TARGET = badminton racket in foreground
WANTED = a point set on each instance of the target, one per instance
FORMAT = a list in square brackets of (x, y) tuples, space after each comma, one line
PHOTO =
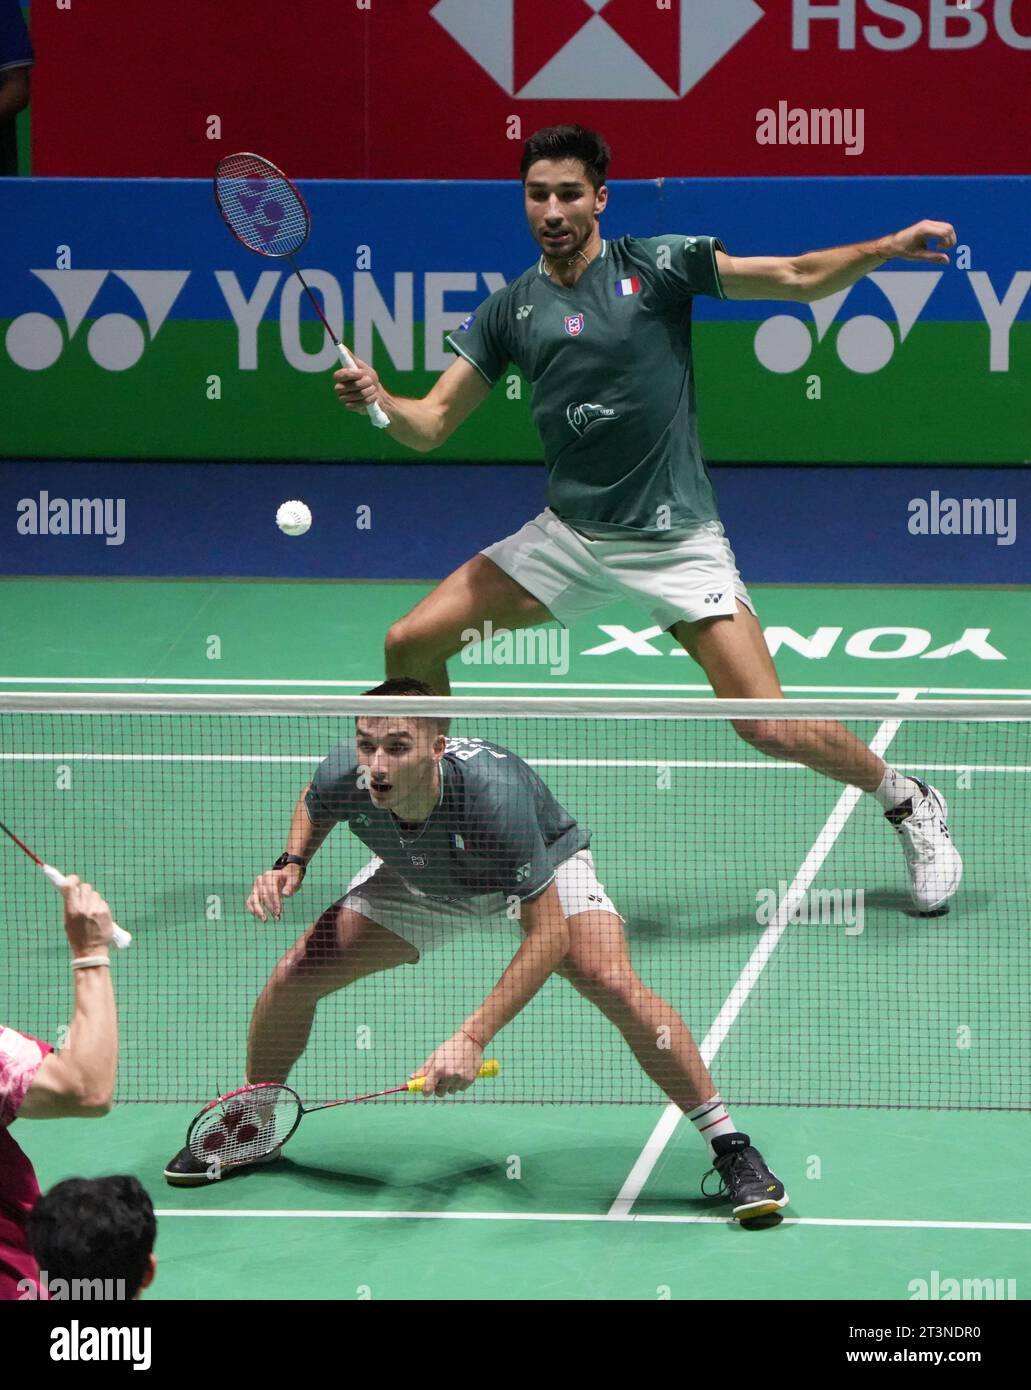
[(120, 936), (253, 1122), (264, 210)]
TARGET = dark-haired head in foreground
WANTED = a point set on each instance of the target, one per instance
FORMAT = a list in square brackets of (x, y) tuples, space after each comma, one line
[(88, 1229)]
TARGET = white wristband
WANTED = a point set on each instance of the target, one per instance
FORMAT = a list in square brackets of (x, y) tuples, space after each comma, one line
[(84, 962)]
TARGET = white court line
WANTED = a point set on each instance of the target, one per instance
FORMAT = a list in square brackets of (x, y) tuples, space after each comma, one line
[(333, 1214), (545, 682), (756, 765), (672, 1115)]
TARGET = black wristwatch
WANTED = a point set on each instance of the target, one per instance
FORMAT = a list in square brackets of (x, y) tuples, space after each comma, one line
[(285, 859)]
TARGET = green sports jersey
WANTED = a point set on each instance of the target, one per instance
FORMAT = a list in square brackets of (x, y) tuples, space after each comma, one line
[(613, 397), (495, 829)]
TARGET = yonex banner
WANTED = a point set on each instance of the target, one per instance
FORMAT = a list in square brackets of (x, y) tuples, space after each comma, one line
[(450, 88), (132, 325)]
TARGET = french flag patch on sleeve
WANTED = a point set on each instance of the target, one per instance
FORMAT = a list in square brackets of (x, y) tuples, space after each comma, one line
[(631, 286)]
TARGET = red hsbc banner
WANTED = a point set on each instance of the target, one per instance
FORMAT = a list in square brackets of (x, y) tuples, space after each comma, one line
[(449, 88)]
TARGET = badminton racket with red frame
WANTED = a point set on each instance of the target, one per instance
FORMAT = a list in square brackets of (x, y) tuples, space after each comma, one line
[(251, 1123), (265, 211), (120, 936)]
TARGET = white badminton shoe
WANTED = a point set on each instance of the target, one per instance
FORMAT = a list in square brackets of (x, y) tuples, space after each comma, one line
[(935, 868)]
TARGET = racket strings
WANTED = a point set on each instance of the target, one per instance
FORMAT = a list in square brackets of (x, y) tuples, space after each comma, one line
[(260, 205), (244, 1129)]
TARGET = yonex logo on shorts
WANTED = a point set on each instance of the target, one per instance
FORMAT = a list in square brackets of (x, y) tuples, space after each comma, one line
[(714, 598)]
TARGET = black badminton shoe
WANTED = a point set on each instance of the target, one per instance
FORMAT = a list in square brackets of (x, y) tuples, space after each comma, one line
[(745, 1179), (186, 1170)]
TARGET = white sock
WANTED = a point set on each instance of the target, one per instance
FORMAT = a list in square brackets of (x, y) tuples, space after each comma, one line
[(894, 789), (711, 1120)]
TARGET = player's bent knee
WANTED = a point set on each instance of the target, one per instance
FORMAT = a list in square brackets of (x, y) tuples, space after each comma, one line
[(406, 641), (617, 983)]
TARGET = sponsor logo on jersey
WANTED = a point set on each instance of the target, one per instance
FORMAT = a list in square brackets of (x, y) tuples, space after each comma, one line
[(361, 820), (523, 312), (522, 873), (574, 324), (582, 417), (628, 286), (467, 323), (419, 860)]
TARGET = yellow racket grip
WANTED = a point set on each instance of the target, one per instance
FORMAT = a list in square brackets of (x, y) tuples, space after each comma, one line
[(490, 1068)]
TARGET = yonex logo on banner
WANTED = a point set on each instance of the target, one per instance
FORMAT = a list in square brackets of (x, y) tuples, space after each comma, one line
[(866, 344), (115, 341), (605, 52), (868, 643)]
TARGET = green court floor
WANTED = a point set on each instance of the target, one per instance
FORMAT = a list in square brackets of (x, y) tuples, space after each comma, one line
[(844, 1064)]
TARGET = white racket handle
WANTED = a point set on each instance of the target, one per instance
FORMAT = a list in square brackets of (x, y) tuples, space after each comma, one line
[(375, 411), (119, 935)]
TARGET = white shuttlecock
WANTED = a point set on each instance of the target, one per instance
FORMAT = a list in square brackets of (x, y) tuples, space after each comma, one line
[(293, 518)]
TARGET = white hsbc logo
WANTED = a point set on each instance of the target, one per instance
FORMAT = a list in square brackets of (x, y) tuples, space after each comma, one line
[(609, 57), (950, 24)]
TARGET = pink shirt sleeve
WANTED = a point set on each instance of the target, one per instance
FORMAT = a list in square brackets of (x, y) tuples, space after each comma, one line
[(20, 1059)]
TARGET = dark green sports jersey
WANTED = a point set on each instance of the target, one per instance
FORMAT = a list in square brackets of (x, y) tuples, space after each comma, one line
[(609, 363), (496, 828)]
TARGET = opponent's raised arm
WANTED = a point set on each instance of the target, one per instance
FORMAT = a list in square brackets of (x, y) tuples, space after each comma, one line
[(79, 1081), (818, 274), (419, 424), (272, 886)]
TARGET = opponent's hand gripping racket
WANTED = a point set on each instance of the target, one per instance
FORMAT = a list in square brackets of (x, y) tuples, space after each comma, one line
[(264, 210), (119, 935)]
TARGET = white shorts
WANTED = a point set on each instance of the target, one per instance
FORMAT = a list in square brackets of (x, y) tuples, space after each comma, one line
[(381, 895), (678, 580)]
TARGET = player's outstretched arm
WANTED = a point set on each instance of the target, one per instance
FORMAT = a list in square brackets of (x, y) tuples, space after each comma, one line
[(419, 424), (540, 954), (79, 1081), (820, 273), (455, 1064), (272, 886)]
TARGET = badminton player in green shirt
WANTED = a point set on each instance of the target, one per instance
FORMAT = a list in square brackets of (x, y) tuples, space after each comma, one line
[(464, 834), (602, 331)]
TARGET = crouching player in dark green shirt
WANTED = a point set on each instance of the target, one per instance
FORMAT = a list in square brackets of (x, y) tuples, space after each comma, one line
[(462, 830)]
